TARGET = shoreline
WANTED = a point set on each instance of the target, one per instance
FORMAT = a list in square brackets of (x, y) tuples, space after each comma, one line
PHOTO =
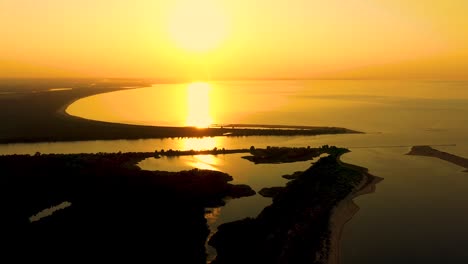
[(229, 132), (33, 117), (62, 111), (305, 221), (345, 210)]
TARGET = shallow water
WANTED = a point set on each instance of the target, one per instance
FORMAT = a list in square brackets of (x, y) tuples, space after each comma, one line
[(371, 106)]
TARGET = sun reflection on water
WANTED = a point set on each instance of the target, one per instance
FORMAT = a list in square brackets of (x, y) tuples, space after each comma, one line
[(198, 105), (206, 162), (204, 143)]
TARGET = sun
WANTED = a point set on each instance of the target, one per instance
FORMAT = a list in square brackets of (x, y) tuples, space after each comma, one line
[(197, 26)]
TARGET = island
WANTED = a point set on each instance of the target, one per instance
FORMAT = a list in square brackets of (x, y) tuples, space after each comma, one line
[(285, 154), (34, 111), (271, 191)]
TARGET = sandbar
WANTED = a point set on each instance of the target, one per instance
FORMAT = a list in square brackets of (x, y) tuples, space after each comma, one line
[(428, 151)]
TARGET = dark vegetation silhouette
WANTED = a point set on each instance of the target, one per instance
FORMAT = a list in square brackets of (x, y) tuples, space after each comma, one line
[(284, 154), (117, 210), (271, 191), (295, 228)]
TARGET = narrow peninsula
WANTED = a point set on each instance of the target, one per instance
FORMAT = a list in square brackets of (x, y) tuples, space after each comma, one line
[(305, 221), (431, 152)]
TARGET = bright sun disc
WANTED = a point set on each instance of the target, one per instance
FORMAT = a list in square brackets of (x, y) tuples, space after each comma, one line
[(197, 26)]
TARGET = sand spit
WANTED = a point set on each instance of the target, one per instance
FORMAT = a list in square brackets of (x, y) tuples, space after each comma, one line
[(49, 211), (344, 212), (36, 116), (431, 152), (305, 221)]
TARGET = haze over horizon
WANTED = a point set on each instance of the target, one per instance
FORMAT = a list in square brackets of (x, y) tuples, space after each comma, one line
[(208, 39)]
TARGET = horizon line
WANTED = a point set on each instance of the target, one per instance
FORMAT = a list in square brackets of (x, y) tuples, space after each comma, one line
[(176, 80)]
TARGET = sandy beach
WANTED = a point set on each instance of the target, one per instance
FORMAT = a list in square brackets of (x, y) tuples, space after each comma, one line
[(345, 210)]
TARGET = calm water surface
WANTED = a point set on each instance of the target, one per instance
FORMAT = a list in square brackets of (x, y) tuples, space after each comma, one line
[(419, 211), (418, 214), (371, 106), (243, 171)]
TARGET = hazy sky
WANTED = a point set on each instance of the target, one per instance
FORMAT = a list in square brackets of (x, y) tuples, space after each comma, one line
[(201, 39)]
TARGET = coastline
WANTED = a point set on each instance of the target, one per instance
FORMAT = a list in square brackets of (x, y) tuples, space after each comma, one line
[(344, 211), (305, 221), (318, 216), (31, 117), (62, 111)]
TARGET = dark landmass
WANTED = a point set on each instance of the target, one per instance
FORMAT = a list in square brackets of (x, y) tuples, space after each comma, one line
[(296, 228), (271, 191), (214, 151), (110, 208), (284, 154), (34, 111), (104, 206), (240, 190), (431, 152), (292, 176), (270, 126)]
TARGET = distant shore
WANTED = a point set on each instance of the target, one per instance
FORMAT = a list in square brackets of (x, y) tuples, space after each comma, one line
[(35, 115)]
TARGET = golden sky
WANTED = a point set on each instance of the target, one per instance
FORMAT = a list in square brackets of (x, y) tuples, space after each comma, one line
[(219, 39)]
